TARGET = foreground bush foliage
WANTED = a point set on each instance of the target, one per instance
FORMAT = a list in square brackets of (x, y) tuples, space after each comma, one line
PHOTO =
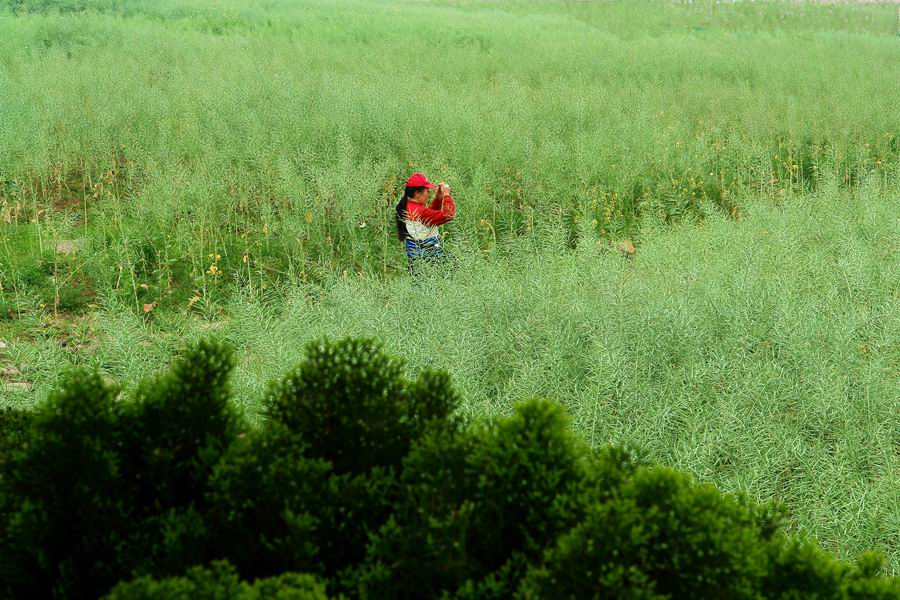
[(220, 580), (361, 482)]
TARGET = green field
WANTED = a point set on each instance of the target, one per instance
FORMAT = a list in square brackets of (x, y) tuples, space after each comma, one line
[(750, 151)]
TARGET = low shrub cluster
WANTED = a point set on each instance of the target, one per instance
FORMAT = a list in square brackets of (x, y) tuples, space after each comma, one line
[(220, 580), (362, 483)]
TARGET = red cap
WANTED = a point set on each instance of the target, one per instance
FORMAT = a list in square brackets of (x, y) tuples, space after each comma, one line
[(419, 180)]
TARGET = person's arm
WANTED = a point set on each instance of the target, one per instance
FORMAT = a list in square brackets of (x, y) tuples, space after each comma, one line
[(442, 208), (441, 211), (437, 203)]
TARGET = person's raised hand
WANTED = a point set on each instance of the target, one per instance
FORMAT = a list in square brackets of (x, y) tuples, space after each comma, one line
[(444, 189)]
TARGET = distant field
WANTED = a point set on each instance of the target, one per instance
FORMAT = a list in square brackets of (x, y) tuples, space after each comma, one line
[(162, 132), (180, 168)]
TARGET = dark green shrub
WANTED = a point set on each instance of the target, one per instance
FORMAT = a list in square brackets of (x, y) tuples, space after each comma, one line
[(495, 499), (266, 500), (799, 570), (219, 581), (660, 536), (102, 489), (351, 404), (430, 403), (14, 426), (421, 550), (366, 480), (346, 401), (67, 508), (173, 434), (308, 490), (178, 426)]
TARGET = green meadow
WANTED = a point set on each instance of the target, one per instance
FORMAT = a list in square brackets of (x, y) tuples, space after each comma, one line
[(182, 168)]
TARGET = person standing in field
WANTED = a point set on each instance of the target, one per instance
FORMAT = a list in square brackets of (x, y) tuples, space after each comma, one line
[(418, 221)]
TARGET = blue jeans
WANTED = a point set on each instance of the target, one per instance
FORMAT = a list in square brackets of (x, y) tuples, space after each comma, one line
[(426, 252)]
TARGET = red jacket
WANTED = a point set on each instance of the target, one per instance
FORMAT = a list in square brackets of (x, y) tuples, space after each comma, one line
[(418, 222)]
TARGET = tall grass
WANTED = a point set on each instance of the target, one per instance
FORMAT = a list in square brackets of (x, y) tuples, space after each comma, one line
[(164, 132), (762, 355)]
